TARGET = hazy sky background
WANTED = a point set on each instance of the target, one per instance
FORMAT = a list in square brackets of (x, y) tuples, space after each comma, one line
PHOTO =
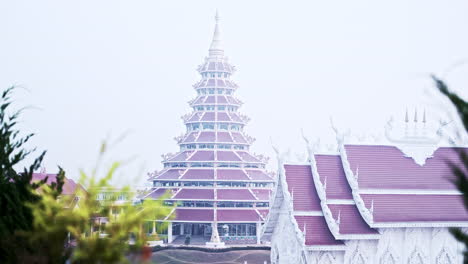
[(96, 69)]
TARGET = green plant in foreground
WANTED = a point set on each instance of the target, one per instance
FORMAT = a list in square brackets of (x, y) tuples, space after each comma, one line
[(113, 242), (461, 177)]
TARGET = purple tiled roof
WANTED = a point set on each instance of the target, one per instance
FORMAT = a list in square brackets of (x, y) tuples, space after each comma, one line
[(156, 193), (207, 137), (386, 167), (202, 155), (224, 137), (238, 138), (222, 99), (190, 137), (317, 232), (416, 208), (198, 174), (210, 100), (227, 156), (235, 194), (258, 175), (235, 117), (330, 169), (247, 157), (69, 185), (170, 174), (233, 174), (237, 215), (351, 221), (223, 117), (208, 116), (194, 215), (182, 156), (195, 117), (301, 187), (195, 194)]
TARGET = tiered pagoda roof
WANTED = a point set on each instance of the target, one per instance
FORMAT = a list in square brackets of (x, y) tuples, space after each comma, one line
[(214, 176)]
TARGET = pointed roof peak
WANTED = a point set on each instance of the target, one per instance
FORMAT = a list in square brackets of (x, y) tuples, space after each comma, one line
[(216, 47)]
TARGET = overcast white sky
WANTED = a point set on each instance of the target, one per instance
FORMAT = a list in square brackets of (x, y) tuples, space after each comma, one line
[(99, 68)]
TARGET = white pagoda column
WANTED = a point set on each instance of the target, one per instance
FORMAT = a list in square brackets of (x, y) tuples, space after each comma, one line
[(169, 233), (259, 225)]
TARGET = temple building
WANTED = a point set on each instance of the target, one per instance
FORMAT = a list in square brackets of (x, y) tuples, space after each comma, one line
[(386, 203), (221, 189)]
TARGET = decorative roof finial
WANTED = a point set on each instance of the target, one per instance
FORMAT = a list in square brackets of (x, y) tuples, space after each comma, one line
[(216, 48)]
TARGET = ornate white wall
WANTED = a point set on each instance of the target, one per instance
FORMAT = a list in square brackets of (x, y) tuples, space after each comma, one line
[(286, 248)]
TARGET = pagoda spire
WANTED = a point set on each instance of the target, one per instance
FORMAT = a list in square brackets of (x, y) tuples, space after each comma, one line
[(216, 47)]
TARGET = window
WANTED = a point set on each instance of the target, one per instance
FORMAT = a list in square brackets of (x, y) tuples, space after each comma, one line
[(211, 91)]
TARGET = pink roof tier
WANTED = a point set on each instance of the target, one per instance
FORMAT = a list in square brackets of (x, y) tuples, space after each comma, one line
[(210, 100), (386, 167), (238, 215), (207, 137), (198, 174), (258, 175), (156, 193), (351, 222), (227, 156), (232, 174), (301, 187), (170, 174), (208, 116), (191, 137), (416, 208), (238, 137), (247, 157), (330, 169), (222, 100), (202, 155), (223, 117), (235, 194), (224, 137), (317, 232), (195, 194), (190, 215), (181, 156)]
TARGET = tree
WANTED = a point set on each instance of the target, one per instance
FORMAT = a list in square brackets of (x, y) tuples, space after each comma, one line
[(461, 179), (121, 236), (15, 188)]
